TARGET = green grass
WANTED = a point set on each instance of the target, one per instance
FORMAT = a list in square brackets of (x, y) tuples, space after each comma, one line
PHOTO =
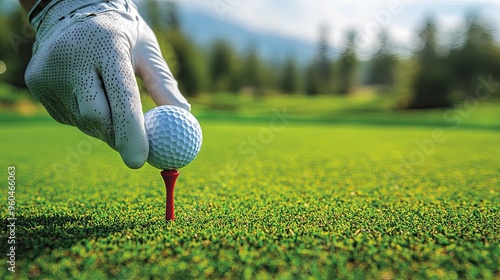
[(334, 198), (363, 108)]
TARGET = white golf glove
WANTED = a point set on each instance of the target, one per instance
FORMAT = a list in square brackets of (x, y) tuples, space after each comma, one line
[(83, 68)]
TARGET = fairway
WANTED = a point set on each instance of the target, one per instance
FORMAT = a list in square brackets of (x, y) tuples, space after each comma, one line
[(262, 200)]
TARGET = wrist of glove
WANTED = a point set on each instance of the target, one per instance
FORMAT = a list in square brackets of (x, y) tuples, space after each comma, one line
[(83, 68)]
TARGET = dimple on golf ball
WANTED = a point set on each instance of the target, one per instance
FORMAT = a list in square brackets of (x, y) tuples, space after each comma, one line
[(175, 137)]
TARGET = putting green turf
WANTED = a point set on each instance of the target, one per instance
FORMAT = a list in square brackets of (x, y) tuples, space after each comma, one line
[(260, 201)]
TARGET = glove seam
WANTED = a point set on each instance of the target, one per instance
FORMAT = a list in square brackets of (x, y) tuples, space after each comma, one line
[(33, 8), (40, 17), (42, 14)]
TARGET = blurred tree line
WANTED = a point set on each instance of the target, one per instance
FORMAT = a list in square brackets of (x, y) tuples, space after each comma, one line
[(444, 71), (15, 47), (437, 74)]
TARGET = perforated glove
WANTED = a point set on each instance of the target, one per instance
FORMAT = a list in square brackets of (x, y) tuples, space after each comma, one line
[(83, 70)]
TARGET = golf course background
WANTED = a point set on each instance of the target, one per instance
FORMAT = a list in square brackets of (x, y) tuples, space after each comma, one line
[(284, 188), (332, 159)]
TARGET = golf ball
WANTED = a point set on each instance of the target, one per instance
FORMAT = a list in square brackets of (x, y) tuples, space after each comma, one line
[(174, 137)]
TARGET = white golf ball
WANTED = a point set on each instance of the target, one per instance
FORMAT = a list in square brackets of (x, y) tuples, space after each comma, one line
[(174, 137)]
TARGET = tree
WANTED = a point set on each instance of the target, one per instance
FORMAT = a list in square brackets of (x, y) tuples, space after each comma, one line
[(188, 72), (252, 70), (162, 15), (312, 83), (15, 47), (324, 63), (154, 15), (383, 62), (347, 64), (222, 66), (184, 57), (477, 55), (432, 82), (172, 16), (288, 83), (319, 73)]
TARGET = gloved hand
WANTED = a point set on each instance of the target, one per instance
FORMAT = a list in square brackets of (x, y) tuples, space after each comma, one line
[(83, 70)]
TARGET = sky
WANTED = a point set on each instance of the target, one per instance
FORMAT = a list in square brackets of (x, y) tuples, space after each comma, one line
[(302, 18)]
